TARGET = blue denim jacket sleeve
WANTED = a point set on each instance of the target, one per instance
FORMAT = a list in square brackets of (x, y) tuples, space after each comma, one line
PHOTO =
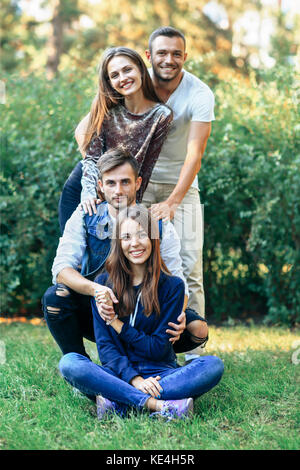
[(110, 350), (155, 346)]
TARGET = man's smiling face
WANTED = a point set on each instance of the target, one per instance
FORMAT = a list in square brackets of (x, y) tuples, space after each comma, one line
[(120, 186), (167, 57)]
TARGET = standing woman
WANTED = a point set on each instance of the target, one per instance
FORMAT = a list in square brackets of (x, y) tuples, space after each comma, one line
[(125, 112), (139, 367)]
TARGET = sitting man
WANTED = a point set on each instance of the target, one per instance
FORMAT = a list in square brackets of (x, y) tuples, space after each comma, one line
[(81, 255)]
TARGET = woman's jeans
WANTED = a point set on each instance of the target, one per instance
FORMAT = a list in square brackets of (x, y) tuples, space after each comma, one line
[(70, 196), (192, 380)]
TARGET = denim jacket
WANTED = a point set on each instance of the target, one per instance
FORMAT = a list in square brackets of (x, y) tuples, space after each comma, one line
[(98, 227)]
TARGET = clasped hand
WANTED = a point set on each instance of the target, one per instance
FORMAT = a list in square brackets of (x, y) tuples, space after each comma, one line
[(150, 386), (105, 299)]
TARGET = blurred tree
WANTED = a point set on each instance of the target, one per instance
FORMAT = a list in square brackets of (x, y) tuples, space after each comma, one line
[(77, 31), (209, 27), (64, 12), (17, 36), (285, 41), (55, 40), (10, 16), (131, 22)]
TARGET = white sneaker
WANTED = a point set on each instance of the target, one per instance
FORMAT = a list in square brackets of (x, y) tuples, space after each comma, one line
[(194, 354)]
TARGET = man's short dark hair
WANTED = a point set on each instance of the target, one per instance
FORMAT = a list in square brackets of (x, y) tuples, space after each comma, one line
[(114, 158), (166, 31)]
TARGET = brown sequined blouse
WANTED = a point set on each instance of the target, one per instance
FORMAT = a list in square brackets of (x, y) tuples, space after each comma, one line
[(142, 135)]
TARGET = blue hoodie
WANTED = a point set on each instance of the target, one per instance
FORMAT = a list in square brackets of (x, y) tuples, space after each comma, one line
[(146, 341)]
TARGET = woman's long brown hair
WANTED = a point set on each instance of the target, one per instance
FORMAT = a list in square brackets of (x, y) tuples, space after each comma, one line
[(118, 266), (106, 97)]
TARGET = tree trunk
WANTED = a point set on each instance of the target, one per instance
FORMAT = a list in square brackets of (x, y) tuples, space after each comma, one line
[(55, 40)]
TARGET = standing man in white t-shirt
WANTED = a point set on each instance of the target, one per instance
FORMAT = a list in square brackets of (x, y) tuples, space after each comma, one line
[(173, 189)]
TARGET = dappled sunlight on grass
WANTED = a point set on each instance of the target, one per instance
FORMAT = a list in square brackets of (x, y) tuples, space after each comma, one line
[(33, 321), (243, 338)]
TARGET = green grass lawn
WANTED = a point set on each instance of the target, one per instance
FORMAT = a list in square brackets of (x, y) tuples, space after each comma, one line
[(253, 407)]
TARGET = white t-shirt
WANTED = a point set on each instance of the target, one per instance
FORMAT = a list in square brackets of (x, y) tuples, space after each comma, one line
[(192, 100)]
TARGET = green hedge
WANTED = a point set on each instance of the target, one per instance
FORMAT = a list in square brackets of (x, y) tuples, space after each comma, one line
[(249, 181), (38, 153)]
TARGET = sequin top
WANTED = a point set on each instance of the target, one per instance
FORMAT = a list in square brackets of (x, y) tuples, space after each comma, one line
[(141, 135)]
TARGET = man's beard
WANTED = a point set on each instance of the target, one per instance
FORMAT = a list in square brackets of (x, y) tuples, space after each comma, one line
[(119, 206), (163, 79)]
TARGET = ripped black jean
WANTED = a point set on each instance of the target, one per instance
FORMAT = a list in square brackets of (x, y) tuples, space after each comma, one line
[(69, 318)]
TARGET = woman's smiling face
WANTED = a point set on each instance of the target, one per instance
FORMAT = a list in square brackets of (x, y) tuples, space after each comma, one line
[(124, 75), (135, 243)]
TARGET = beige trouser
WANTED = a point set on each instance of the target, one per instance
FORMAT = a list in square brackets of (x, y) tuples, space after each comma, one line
[(188, 222)]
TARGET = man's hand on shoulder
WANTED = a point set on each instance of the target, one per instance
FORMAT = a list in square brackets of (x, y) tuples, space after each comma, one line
[(89, 205), (163, 210)]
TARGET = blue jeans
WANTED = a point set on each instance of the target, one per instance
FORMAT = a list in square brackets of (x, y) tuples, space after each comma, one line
[(70, 196), (192, 380)]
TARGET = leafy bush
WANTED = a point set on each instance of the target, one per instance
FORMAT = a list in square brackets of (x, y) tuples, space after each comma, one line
[(38, 152), (249, 181)]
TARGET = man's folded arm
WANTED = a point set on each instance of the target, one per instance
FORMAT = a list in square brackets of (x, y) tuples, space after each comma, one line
[(71, 247)]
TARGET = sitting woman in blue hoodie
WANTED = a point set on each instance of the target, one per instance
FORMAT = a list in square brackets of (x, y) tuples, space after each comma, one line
[(139, 367)]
